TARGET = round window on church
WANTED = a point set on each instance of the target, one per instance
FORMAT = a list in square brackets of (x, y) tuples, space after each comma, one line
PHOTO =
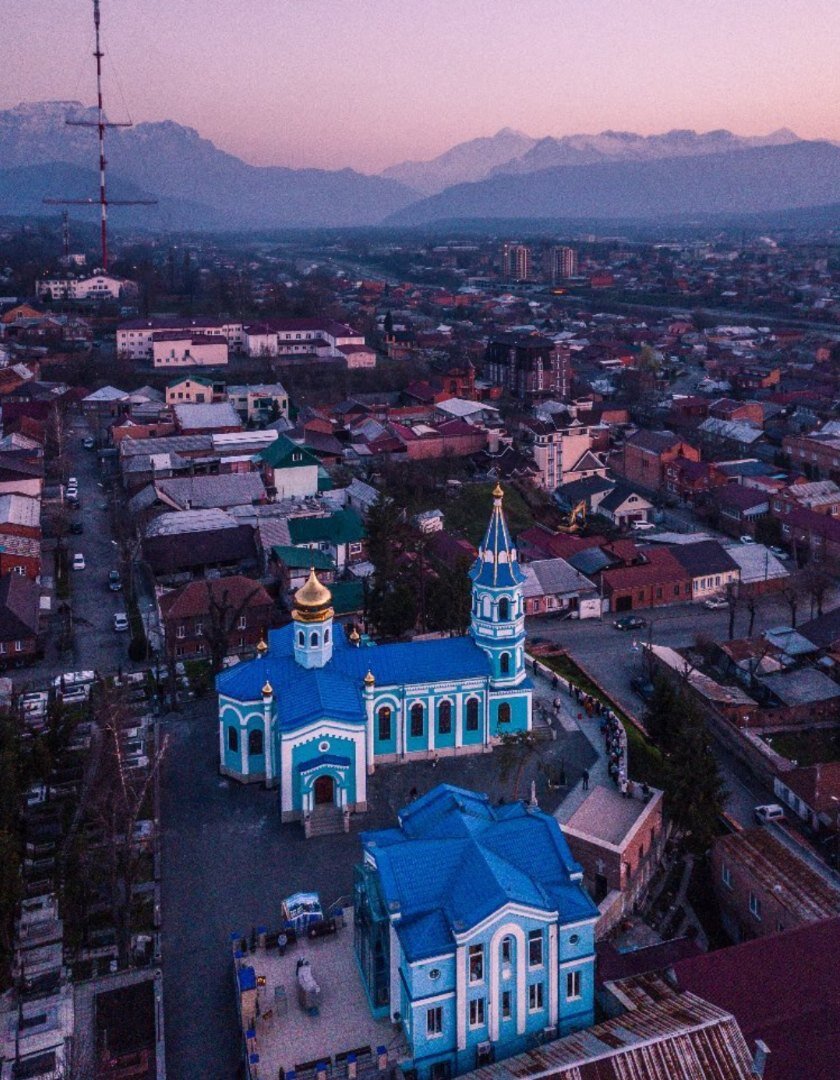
[(434, 974), (323, 747), (574, 939)]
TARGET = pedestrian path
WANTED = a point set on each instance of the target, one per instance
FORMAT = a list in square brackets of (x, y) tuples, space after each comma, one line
[(554, 699)]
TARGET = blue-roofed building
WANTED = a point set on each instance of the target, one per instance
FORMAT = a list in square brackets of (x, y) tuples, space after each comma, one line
[(316, 712), (473, 930)]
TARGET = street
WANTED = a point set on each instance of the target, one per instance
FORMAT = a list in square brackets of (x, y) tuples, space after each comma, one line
[(613, 657)]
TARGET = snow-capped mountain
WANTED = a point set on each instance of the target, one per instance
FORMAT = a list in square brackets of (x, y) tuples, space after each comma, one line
[(467, 161)]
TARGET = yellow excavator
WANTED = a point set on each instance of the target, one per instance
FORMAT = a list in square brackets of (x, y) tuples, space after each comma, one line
[(576, 520)]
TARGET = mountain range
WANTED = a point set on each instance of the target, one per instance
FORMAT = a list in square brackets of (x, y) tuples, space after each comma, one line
[(511, 175)]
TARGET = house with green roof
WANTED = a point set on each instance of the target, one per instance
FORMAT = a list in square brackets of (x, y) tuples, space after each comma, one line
[(341, 535), (294, 563), (289, 470)]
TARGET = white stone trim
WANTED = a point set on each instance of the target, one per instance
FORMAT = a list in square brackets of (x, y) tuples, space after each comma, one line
[(507, 910), (461, 997), (494, 994), (553, 987)]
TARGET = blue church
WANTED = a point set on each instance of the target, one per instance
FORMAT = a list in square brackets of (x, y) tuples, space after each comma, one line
[(315, 712), (473, 931)]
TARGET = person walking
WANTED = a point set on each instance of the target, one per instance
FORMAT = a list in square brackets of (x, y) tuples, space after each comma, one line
[(585, 779)]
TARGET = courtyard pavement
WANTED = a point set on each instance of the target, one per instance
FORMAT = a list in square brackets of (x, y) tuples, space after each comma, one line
[(227, 862)]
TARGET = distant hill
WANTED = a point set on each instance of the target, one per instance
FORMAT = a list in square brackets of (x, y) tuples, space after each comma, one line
[(188, 173), (753, 180)]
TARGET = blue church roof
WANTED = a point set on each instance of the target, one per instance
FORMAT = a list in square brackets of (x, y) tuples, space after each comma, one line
[(455, 859), (496, 566), (335, 690)]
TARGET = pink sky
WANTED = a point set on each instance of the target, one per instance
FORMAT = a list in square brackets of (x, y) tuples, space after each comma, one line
[(368, 83)]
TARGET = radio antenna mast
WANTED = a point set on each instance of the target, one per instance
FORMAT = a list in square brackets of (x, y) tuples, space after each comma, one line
[(100, 124)]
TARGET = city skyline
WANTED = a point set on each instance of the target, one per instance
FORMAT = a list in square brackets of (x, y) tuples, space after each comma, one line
[(374, 83)]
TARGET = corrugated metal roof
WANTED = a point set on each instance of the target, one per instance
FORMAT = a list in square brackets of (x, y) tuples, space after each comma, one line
[(681, 1037)]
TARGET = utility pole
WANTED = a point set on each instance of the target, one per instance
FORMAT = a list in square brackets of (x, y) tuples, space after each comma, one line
[(100, 124), (65, 235)]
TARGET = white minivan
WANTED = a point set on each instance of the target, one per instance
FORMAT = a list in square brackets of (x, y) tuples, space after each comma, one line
[(769, 812)]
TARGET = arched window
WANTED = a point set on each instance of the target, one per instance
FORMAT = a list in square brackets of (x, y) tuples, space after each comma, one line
[(384, 724), (504, 663), (445, 717), (301, 638), (313, 639), (472, 714), (255, 742), (417, 721), (233, 740), (326, 636), (504, 713), (504, 608), (507, 949)]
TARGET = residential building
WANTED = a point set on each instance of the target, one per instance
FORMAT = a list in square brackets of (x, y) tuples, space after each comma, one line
[(817, 454), (657, 580), (214, 419), (814, 536), (516, 262), (289, 471), (646, 454), (96, 286), (317, 337), (184, 348), (473, 928), (362, 706), (19, 619), (562, 452), (563, 264), (763, 885), (195, 615), (529, 365), (188, 543), (821, 496), (340, 535), (135, 339), (711, 567), (740, 508), (619, 842), (193, 390), (623, 506), (260, 403), (554, 587)]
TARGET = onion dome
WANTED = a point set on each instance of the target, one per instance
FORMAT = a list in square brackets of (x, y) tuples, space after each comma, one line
[(268, 689), (262, 648), (355, 636), (369, 679), (312, 601)]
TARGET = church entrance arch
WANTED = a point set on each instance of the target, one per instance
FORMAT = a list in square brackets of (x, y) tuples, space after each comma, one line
[(324, 789)]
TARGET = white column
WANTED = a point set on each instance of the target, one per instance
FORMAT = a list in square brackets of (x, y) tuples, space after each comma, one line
[(461, 996), (268, 743), (369, 712), (459, 720), (487, 717), (361, 773), (553, 976), (430, 709), (222, 740), (243, 748), (400, 718)]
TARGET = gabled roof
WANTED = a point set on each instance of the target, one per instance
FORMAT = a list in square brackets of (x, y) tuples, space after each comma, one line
[(19, 607), (454, 859), (296, 558), (106, 393), (704, 557), (619, 495), (195, 597), (284, 454)]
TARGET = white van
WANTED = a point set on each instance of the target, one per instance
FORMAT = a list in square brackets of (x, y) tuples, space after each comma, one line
[(769, 812)]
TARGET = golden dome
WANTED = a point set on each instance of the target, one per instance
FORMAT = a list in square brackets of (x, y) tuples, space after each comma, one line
[(498, 491), (369, 679), (262, 648), (268, 689), (312, 601)]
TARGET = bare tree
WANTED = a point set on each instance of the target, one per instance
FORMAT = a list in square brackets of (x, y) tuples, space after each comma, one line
[(223, 618), (818, 582), (732, 600), (115, 798), (791, 593), (751, 604)]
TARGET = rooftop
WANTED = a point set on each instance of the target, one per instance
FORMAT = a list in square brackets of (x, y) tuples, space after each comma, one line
[(798, 887), (606, 816)]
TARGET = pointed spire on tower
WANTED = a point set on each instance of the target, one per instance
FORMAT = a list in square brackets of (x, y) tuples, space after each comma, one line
[(497, 565)]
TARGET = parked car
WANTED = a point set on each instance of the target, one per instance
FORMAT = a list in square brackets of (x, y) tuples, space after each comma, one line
[(120, 621), (78, 561), (714, 603), (643, 686), (746, 539), (114, 580), (780, 553), (73, 678), (88, 443), (76, 528), (643, 526), (72, 482), (769, 812), (630, 622)]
